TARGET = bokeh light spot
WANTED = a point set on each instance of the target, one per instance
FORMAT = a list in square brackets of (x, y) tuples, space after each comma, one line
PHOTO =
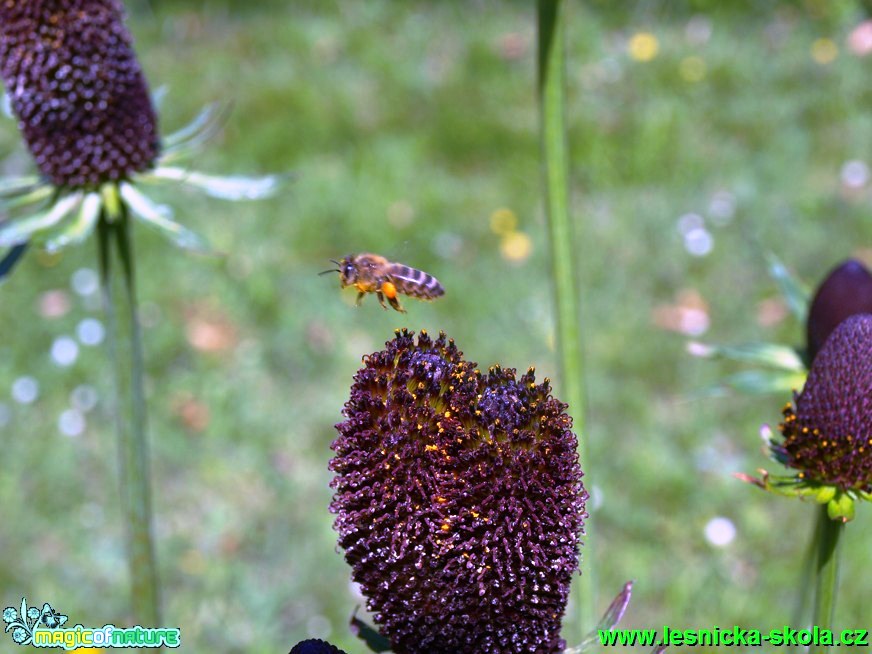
[(855, 174), (25, 390), (824, 51), (692, 69), (90, 331), (71, 423), (516, 247), (64, 351), (643, 46), (699, 242), (401, 214), (503, 221), (53, 304), (84, 398), (85, 282), (720, 531)]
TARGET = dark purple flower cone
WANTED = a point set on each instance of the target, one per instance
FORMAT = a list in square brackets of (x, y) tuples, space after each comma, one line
[(315, 646), (459, 501), (845, 292), (77, 89), (828, 433)]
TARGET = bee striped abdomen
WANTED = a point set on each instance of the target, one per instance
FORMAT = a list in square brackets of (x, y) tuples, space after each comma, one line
[(414, 282)]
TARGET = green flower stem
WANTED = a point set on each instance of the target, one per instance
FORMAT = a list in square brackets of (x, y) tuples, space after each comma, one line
[(555, 172), (125, 350), (806, 572), (826, 573)]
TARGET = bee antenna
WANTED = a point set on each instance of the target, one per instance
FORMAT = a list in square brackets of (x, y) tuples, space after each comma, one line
[(324, 272), (338, 263)]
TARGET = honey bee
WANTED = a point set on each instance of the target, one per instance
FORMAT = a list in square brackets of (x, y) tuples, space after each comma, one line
[(371, 273)]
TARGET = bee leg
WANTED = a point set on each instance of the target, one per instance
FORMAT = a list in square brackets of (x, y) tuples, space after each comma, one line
[(359, 298), (381, 299), (395, 303)]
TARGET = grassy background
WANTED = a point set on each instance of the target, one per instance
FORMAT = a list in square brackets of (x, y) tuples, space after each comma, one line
[(408, 125)]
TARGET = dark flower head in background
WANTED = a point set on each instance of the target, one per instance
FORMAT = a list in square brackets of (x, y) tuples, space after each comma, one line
[(845, 292), (84, 108), (459, 501), (315, 646), (78, 91), (828, 431)]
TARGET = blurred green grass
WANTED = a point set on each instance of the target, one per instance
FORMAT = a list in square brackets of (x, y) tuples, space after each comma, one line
[(407, 125)]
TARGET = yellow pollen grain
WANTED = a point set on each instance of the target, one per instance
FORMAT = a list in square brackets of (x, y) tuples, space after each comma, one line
[(430, 448), (447, 414), (441, 500)]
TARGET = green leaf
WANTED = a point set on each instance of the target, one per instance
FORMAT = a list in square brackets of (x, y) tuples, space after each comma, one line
[(21, 230), (159, 217), (754, 382), (773, 355), (371, 638), (793, 291), (225, 188), (75, 231)]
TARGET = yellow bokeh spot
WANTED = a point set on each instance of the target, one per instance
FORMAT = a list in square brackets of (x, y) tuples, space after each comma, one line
[(643, 46), (692, 69), (48, 259), (192, 562), (503, 221), (824, 51), (516, 246)]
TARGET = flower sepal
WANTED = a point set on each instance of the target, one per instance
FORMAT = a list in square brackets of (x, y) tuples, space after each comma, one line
[(610, 620), (840, 503), (369, 635)]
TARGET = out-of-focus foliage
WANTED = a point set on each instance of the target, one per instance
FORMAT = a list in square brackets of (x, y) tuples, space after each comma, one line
[(700, 138)]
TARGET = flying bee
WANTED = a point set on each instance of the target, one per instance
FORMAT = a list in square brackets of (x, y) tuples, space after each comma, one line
[(371, 273)]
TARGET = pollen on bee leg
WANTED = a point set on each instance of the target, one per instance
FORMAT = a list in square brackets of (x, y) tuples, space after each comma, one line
[(389, 290)]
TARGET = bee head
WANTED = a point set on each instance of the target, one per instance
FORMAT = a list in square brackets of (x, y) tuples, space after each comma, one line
[(346, 268), (347, 271)]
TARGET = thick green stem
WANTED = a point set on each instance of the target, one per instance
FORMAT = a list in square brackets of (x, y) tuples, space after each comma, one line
[(826, 573), (804, 590), (125, 350), (555, 173)]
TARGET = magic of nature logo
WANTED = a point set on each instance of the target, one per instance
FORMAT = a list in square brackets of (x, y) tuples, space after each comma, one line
[(45, 628)]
